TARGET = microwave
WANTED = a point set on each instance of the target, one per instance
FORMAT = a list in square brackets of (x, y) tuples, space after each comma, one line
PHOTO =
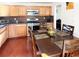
[(32, 12)]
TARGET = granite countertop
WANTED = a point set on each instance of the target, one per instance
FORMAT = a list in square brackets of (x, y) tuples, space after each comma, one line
[(1, 26), (2, 22)]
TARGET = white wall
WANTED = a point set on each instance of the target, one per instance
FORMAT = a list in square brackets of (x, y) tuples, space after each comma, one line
[(71, 17), (57, 11), (76, 19)]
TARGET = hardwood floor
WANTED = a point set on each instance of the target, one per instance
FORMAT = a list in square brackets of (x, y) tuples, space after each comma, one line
[(17, 47)]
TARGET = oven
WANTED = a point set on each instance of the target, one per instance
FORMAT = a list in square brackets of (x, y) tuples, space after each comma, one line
[(33, 24), (37, 27)]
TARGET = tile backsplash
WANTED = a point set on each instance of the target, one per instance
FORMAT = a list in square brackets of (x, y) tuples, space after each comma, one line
[(22, 19)]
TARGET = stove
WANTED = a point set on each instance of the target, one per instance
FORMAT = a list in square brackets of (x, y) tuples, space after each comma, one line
[(34, 24)]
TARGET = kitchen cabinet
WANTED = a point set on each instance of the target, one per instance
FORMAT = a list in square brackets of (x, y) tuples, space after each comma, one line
[(4, 10), (32, 7), (13, 10), (21, 11), (3, 35), (20, 30), (11, 30), (48, 11), (17, 10), (45, 11), (17, 30), (42, 11)]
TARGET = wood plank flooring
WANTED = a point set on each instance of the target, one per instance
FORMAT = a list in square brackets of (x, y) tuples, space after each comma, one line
[(16, 47)]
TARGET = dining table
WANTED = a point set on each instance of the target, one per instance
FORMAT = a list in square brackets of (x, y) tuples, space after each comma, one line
[(50, 45), (46, 45)]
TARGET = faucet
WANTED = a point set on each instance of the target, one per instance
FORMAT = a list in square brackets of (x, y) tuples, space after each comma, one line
[(16, 20)]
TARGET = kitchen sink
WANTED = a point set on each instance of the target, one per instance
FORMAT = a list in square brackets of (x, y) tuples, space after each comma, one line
[(1, 26)]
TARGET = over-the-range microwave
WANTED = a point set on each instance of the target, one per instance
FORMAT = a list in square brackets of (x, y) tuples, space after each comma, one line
[(32, 12)]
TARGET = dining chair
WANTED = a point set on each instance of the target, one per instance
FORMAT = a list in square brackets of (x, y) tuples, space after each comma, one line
[(75, 54), (36, 52), (66, 33), (32, 41), (73, 50), (68, 29)]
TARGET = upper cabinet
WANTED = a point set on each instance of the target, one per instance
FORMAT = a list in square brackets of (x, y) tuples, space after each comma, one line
[(19, 10), (4, 10), (13, 10), (43, 10), (48, 11)]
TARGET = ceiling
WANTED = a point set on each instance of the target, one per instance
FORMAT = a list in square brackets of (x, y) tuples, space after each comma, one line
[(28, 3)]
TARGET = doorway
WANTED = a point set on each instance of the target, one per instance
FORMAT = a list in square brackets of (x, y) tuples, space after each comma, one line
[(58, 17)]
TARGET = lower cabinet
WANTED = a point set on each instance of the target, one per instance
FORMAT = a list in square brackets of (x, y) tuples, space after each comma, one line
[(20, 30), (17, 30), (11, 30), (3, 35)]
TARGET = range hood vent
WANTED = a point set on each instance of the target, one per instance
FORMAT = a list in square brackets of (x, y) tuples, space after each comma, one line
[(32, 12)]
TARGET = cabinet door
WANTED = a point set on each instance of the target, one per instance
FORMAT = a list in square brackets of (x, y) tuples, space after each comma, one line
[(45, 10), (11, 30), (21, 10), (4, 10), (48, 11), (42, 11), (3, 36), (13, 10), (20, 30)]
